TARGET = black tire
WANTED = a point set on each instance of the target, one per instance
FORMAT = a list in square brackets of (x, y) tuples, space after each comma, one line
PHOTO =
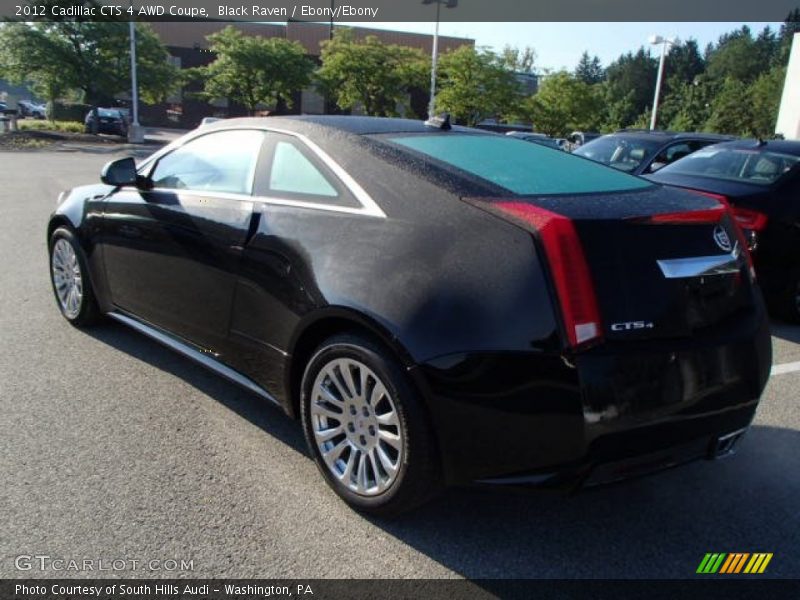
[(88, 312), (418, 476), (788, 304)]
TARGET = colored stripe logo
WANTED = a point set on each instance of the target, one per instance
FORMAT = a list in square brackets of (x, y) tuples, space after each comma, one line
[(734, 563)]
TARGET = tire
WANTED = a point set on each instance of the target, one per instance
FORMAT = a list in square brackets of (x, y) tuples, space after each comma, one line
[(382, 426), (788, 304), (69, 276)]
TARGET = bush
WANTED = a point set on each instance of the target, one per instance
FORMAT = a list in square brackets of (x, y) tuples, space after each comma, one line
[(69, 126), (67, 111)]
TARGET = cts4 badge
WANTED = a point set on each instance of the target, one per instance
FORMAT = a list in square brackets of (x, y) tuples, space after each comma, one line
[(722, 239), (632, 325)]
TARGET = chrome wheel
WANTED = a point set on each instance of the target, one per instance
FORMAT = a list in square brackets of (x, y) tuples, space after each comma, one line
[(356, 426), (67, 278)]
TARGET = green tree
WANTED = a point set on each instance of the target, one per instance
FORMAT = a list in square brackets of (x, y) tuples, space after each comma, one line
[(377, 77), (474, 84), (738, 56), (629, 85), (589, 69), (254, 71), (765, 97), (564, 104), (687, 107), (518, 61), (731, 111), (92, 57)]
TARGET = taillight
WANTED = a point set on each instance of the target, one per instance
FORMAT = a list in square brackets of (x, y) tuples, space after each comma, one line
[(749, 219), (689, 217), (570, 271), (739, 227)]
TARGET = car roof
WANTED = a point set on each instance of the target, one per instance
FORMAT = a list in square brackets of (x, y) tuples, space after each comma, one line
[(348, 124), (668, 136), (783, 146)]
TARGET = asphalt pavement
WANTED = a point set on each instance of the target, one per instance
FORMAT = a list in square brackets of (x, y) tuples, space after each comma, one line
[(114, 448)]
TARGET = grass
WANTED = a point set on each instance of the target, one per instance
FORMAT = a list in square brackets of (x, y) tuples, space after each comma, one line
[(44, 125)]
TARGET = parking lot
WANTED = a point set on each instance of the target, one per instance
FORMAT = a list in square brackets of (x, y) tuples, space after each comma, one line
[(114, 447)]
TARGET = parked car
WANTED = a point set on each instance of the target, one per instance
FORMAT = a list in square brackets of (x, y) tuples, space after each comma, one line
[(436, 305), (28, 108), (112, 121), (641, 151), (3, 107), (761, 180), (576, 139), (536, 138)]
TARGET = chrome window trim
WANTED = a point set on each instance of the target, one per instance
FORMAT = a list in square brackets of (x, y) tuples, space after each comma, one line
[(368, 208)]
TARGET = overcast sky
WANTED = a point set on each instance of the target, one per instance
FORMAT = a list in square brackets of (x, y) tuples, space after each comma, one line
[(560, 45)]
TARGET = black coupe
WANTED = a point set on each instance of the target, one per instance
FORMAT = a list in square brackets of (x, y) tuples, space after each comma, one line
[(437, 305)]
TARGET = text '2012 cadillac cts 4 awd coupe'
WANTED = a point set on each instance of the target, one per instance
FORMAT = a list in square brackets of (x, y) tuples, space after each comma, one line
[(437, 305)]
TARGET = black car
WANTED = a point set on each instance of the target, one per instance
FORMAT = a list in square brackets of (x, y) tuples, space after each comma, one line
[(536, 138), (761, 181), (437, 305), (641, 151), (111, 121), (28, 108)]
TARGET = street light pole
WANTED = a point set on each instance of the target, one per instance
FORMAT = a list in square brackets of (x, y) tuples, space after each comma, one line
[(665, 43), (435, 50), (434, 61), (135, 135)]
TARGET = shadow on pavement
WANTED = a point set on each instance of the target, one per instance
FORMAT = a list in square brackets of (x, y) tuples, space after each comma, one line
[(658, 526), (247, 405)]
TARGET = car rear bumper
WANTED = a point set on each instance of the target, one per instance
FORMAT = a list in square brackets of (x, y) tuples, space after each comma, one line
[(549, 420)]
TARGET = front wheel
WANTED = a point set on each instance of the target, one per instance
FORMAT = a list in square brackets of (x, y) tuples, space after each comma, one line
[(367, 429), (70, 279)]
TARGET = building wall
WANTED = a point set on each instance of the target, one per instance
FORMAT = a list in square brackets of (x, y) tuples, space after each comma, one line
[(788, 123)]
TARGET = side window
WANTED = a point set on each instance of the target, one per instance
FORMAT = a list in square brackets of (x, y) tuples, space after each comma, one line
[(293, 172), (224, 161)]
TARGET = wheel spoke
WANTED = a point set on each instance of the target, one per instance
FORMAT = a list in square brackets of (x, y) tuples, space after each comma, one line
[(343, 392), (329, 396), (377, 393), (347, 375), (327, 435), (388, 466), (390, 438), (389, 418), (361, 473), (327, 412)]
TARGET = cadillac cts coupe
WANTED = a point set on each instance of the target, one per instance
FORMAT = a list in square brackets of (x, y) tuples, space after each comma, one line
[(437, 305)]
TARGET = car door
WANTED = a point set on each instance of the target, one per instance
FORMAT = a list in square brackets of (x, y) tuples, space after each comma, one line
[(172, 250), (303, 208), (673, 152)]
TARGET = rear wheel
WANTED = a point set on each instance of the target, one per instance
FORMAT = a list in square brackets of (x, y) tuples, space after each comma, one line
[(69, 276), (789, 306), (366, 428)]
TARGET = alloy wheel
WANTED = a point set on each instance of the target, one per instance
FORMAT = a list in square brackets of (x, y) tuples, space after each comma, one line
[(67, 278), (356, 426)]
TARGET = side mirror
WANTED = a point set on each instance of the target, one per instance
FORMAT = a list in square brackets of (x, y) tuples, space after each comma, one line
[(119, 172)]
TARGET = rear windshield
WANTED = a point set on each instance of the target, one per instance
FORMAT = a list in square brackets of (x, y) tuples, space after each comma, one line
[(518, 166), (735, 164), (621, 153)]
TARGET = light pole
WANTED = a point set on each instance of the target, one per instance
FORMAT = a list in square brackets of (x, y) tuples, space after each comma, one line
[(435, 52), (135, 135), (665, 44)]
